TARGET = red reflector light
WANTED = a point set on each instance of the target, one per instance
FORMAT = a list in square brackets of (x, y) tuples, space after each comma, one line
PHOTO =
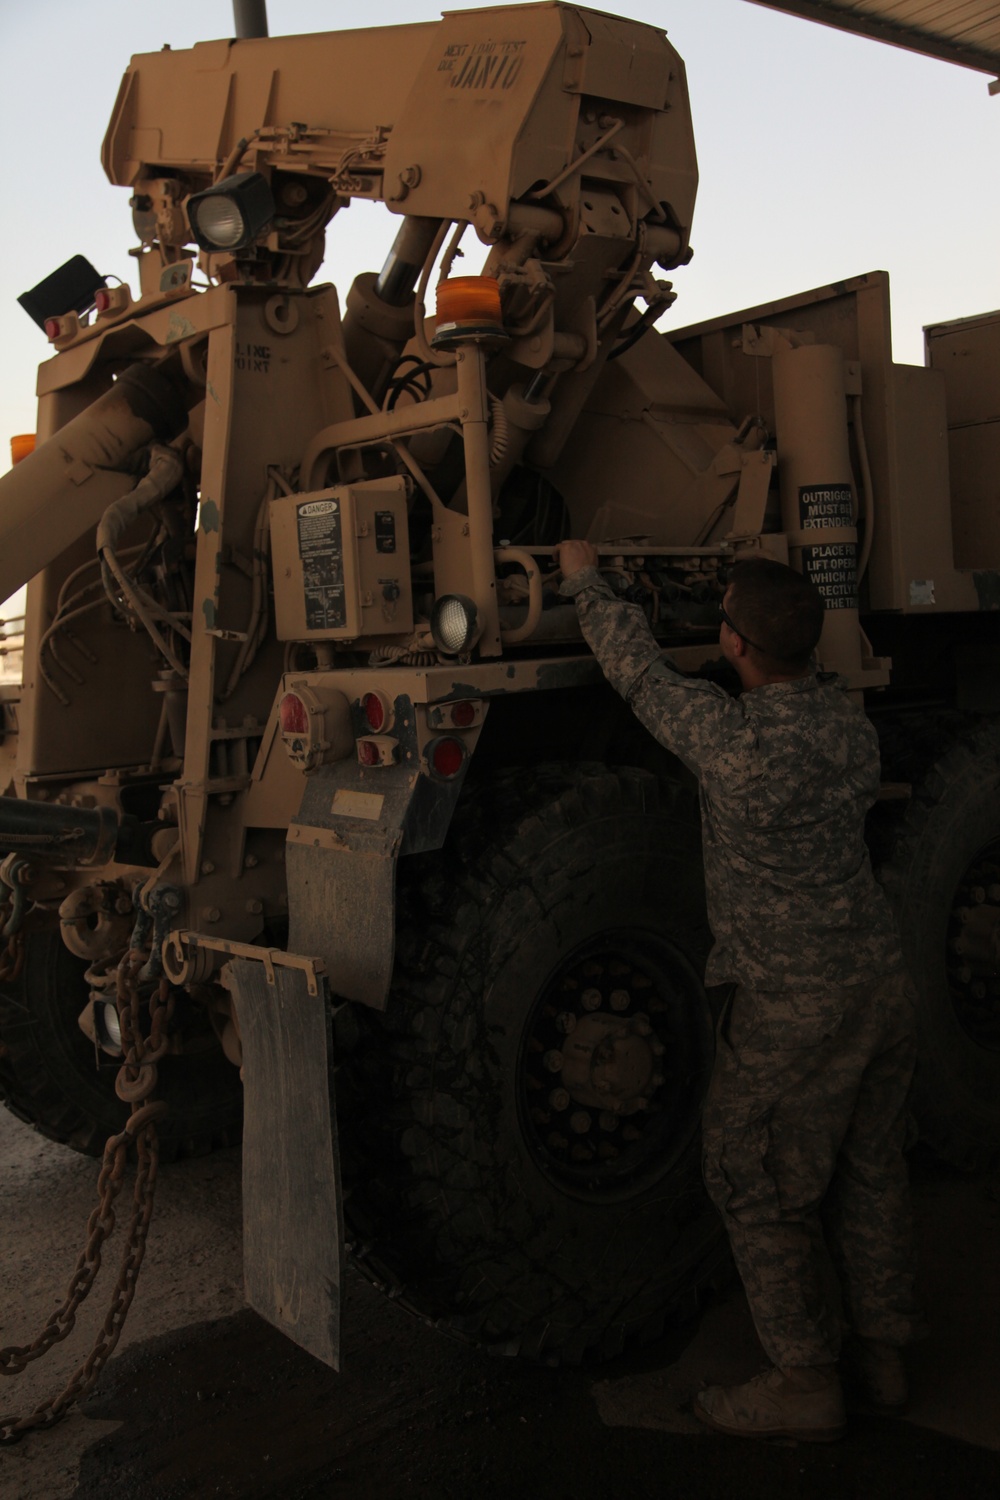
[(374, 712), (368, 753), (53, 328), (463, 714), (102, 299), (447, 757), (293, 715)]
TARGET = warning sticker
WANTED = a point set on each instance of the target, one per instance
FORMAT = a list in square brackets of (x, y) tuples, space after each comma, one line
[(825, 505), (833, 568), (322, 552)]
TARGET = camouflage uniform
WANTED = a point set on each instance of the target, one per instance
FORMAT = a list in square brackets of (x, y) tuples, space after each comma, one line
[(803, 1127)]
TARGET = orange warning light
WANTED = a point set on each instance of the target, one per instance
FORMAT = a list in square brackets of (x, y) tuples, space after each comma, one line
[(468, 307)]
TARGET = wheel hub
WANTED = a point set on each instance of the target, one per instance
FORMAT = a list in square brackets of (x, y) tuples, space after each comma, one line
[(608, 1062), (612, 1064)]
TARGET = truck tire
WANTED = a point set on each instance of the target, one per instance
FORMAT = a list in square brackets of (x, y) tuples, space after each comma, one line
[(943, 878), (49, 1077), (478, 1198)]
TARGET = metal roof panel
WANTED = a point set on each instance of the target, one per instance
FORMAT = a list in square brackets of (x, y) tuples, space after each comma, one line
[(966, 32)]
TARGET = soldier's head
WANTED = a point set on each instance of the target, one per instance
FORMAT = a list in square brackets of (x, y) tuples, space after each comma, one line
[(771, 619)]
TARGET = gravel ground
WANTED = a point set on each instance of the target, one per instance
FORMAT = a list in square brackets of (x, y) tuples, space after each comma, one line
[(202, 1398)]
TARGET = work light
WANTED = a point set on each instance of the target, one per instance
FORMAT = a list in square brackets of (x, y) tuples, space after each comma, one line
[(454, 624), (231, 214)]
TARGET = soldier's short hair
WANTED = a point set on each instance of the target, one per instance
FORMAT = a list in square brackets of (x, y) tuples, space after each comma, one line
[(780, 611)]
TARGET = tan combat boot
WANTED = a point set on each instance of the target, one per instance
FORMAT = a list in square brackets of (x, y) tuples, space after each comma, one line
[(802, 1403)]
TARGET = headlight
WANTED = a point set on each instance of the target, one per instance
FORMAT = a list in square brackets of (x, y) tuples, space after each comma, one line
[(231, 214), (108, 1027), (454, 624)]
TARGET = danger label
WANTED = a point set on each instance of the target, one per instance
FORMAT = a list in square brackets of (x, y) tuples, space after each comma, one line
[(823, 505), (482, 66), (322, 553), (833, 568)]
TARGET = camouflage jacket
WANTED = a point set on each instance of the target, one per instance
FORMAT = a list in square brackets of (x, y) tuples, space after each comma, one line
[(786, 775)]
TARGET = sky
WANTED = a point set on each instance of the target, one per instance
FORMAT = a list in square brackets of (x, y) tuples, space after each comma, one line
[(821, 156)]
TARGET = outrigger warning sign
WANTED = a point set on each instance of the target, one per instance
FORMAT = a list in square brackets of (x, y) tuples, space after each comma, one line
[(833, 568), (825, 505)]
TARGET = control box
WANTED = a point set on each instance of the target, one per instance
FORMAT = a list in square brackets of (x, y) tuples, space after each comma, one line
[(341, 560)]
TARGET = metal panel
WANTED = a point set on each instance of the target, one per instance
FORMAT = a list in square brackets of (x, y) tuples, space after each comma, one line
[(967, 355), (966, 32)]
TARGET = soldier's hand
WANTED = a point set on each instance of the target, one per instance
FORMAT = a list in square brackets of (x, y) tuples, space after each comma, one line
[(573, 557)]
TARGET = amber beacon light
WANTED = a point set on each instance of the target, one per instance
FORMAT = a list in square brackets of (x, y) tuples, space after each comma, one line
[(468, 307)]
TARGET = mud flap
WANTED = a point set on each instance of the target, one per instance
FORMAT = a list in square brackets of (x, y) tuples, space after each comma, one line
[(292, 1209)]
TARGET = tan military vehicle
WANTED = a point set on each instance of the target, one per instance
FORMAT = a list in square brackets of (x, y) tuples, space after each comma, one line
[(310, 764)]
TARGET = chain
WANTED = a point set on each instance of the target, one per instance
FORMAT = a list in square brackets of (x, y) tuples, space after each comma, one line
[(135, 1085)]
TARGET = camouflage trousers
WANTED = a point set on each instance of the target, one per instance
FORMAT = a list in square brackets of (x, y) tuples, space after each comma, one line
[(803, 1156)]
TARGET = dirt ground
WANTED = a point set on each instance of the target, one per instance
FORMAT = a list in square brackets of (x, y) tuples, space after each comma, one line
[(204, 1399)]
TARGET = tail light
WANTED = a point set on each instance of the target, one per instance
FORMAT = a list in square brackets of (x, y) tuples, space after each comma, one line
[(61, 328), (446, 757), (377, 711), (112, 299), (315, 726), (293, 714), (377, 750), (463, 714)]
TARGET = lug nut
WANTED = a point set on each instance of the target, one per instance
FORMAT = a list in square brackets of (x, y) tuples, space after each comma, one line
[(559, 1099), (579, 1122), (565, 1021), (553, 1060), (591, 999), (620, 999)]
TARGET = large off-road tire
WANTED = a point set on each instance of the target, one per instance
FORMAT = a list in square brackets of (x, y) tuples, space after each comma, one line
[(50, 1079), (943, 878), (478, 1195)]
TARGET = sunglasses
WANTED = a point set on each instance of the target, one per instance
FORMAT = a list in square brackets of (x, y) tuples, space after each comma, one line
[(723, 616)]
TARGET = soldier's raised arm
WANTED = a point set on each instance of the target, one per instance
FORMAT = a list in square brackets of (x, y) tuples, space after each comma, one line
[(697, 720)]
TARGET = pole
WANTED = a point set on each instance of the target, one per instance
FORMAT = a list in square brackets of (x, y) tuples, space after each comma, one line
[(250, 17)]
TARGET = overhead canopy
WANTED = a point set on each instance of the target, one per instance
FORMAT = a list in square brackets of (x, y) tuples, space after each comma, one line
[(958, 31)]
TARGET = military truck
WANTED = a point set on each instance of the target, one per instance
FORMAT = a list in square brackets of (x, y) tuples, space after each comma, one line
[(309, 747)]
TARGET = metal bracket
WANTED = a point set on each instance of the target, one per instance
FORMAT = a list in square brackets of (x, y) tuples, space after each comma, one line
[(193, 956)]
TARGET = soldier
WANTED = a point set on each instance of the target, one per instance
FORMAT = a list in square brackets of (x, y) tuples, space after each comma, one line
[(804, 1123)]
